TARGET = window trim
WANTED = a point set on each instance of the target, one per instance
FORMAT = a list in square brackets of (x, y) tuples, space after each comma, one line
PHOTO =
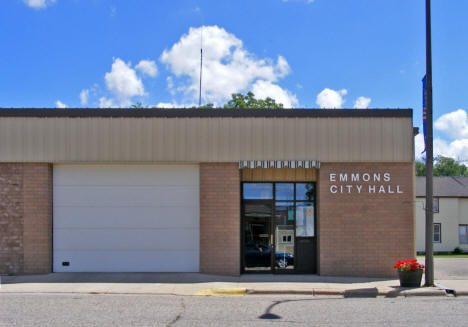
[(434, 233), (466, 227)]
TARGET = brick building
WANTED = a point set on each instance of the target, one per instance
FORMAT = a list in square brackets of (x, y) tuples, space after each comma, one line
[(220, 191)]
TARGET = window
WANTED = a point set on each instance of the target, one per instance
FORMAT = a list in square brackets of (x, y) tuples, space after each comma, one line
[(463, 234), (287, 239), (435, 205), (258, 191), (437, 233)]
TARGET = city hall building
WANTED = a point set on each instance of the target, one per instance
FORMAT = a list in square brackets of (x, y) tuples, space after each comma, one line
[(217, 191)]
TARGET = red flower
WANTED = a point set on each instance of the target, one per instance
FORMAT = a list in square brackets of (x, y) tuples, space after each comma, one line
[(408, 265)]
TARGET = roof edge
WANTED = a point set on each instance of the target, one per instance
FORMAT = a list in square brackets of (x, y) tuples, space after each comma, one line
[(189, 113)]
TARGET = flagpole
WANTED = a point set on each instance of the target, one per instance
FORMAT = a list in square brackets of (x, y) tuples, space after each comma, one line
[(429, 274)]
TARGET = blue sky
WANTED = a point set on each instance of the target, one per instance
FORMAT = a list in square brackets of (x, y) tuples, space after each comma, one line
[(305, 54)]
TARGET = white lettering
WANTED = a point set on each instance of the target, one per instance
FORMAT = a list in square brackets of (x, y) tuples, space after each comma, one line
[(349, 188), (341, 188), (381, 189), (390, 189), (343, 177), (359, 187), (386, 177), (376, 177), (371, 188), (354, 177), (332, 177), (333, 188), (366, 177), (398, 189)]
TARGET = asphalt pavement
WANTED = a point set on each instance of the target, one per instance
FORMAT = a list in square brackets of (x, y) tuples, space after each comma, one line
[(256, 310)]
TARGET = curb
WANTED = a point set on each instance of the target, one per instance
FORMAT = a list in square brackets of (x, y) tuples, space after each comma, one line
[(351, 293), (222, 292)]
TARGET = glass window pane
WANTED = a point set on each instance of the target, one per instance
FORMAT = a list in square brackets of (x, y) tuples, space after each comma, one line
[(284, 212), (436, 233), (305, 191), (305, 219), (284, 191), (435, 205), (463, 234), (284, 235), (258, 191)]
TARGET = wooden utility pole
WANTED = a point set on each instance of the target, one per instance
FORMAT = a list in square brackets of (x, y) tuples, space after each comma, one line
[(429, 155)]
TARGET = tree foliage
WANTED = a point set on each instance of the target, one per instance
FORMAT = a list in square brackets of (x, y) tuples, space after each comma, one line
[(239, 101), (443, 166)]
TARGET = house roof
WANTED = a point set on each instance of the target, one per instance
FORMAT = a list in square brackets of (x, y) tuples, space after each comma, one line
[(128, 112), (456, 187)]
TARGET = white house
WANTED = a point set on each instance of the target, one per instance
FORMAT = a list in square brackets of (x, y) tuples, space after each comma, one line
[(450, 213)]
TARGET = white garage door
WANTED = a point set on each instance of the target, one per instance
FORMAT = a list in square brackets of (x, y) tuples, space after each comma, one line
[(126, 218)]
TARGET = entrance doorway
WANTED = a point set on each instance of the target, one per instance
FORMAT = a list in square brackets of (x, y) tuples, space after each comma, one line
[(279, 227)]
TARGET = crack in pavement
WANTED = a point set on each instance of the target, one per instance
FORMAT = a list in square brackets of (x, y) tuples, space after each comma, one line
[(177, 318)]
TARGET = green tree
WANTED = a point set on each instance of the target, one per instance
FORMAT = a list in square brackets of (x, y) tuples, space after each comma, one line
[(446, 166), (443, 166), (239, 101), (420, 169), (138, 105)]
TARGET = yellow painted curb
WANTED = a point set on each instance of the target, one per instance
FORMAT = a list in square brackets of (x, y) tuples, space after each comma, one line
[(222, 292)]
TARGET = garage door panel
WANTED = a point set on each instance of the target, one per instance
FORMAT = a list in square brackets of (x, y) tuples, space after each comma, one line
[(126, 195), (121, 175), (123, 239), (127, 261), (125, 217)]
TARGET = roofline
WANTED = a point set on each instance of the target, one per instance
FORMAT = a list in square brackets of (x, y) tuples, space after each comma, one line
[(192, 113)]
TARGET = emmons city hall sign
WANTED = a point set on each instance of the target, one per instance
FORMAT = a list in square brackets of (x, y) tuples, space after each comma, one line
[(379, 183)]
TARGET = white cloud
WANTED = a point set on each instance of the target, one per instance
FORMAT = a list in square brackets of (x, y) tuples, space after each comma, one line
[(84, 95), (60, 104), (362, 103), (171, 105), (39, 4), (147, 67), (453, 124), (419, 146), (457, 149), (331, 99), (123, 82), (106, 103), (263, 89), (227, 66)]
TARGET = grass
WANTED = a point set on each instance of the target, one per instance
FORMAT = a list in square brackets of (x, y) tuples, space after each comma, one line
[(465, 255)]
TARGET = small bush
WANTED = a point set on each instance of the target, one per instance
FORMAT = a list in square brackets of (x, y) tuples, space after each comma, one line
[(457, 250)]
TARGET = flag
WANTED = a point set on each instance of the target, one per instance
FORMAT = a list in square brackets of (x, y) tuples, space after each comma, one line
[(424, 110)]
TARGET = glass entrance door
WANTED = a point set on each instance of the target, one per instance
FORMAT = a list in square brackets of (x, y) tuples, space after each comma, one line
[(278, 226), (257, 235)]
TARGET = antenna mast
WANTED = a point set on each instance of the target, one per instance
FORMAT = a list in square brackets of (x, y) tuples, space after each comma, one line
[(201, 63)]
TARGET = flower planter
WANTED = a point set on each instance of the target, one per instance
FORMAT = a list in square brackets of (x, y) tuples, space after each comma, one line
[(410, 278)]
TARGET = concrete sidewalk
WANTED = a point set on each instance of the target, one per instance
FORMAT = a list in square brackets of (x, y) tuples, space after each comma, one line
[(203, 284)]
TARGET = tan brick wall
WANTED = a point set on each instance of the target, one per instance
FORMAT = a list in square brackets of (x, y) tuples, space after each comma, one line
[(11, 218), (25, 218), (220, 218), (37, 230), (365, 234)]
